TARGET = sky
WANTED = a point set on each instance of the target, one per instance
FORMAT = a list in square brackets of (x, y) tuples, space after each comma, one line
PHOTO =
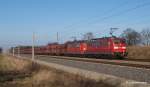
[(19, 19)]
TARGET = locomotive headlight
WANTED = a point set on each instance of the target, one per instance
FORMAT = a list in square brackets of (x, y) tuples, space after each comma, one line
[(84, 49), (116, 47), (123, 47)]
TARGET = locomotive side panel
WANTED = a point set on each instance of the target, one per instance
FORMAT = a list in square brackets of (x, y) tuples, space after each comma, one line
[(98, 47), (73, 48)]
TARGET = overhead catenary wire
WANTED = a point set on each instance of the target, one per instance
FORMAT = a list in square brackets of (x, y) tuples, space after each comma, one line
[(97, 16), (123, 12), (117, 14)]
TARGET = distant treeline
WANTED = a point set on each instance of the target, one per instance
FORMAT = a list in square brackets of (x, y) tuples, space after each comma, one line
[(134, 37)]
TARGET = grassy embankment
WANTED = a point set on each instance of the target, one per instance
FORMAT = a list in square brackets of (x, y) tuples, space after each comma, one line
[(20, 73), (138, 52)]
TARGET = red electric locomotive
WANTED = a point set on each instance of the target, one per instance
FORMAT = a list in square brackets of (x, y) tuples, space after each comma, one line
[(110, 46)]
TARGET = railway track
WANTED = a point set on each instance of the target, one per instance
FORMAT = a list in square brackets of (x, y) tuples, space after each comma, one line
[(129, 63), (127, 71)]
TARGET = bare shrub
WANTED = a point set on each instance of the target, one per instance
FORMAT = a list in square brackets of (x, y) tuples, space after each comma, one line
[(138, 52)]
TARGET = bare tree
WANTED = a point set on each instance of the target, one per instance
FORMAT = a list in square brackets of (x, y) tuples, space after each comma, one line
[(146, 36), (88, 36), (132, 37)]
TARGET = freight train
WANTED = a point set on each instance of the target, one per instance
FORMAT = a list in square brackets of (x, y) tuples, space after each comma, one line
[(107, 46)]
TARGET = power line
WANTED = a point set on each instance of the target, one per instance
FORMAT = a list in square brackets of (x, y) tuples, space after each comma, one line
[(136, 22), (139, 22), (123, 12), (120, 13), (97, 16)]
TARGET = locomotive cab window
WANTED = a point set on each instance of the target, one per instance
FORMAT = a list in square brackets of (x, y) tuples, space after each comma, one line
[(116, 41)]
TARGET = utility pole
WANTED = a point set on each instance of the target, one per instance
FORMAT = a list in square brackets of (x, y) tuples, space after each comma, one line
[(57, 37), (18, 51), (13, 51), (33, 43)]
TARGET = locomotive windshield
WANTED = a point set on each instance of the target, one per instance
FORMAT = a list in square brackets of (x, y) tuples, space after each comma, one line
[(118, 41)]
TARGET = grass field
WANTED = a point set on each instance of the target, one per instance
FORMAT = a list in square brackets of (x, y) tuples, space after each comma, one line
[(20, 73), (138, 52)]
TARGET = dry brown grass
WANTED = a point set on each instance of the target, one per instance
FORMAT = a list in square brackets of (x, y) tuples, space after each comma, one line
[(138, 52), (55, 78), (34, 75), (9, 64)]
